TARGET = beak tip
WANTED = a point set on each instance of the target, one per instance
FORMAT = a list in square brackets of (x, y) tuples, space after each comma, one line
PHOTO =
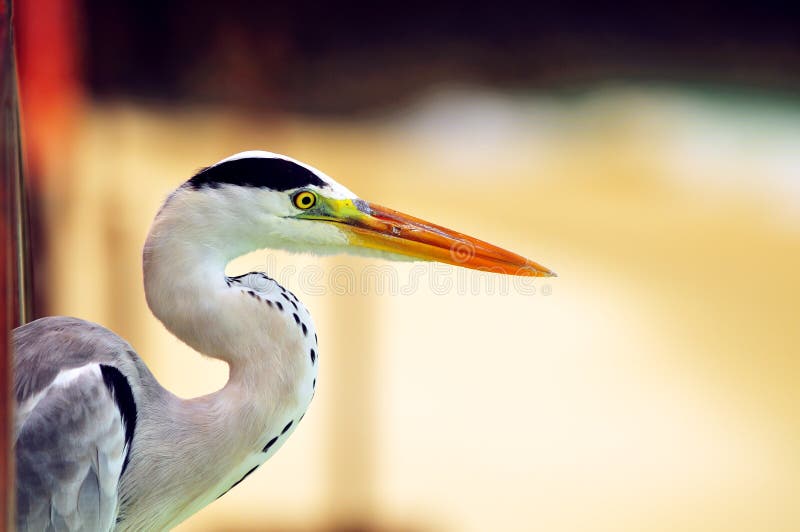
[(537, 270)]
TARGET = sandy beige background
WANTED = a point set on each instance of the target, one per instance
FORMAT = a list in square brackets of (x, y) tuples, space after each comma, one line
[(652, 386)]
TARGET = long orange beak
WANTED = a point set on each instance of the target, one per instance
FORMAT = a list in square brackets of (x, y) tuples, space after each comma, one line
[(370, 225)]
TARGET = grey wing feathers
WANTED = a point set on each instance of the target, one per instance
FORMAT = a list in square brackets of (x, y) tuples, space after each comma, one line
[(70, 453), (71, 442)]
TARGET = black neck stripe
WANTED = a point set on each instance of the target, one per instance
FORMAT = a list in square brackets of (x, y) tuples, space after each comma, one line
[(260, 172)]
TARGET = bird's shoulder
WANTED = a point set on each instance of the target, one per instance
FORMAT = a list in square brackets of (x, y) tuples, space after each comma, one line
[(46, 347)]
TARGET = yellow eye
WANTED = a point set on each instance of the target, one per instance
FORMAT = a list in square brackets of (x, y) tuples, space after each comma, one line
[(305, 200)]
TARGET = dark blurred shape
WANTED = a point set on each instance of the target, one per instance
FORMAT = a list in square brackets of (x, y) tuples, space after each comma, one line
[(15, 266), (338, 58), (16, 263)]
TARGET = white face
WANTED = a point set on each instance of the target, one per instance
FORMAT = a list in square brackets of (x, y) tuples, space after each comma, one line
[(234, 219)]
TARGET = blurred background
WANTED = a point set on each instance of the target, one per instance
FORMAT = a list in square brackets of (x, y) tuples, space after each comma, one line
[(648, 154)]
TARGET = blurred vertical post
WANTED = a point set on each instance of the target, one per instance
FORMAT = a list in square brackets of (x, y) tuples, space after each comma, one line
[(351, 489), (15, 266)]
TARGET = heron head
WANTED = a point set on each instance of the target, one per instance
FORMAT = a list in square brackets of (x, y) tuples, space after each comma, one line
[(269, 200)]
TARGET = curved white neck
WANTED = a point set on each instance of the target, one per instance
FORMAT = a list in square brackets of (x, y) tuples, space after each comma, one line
[(191, 241), (184, 263), (187, 290), (272, 376)]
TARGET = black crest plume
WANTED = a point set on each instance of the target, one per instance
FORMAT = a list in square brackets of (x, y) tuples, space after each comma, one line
[(259, 172)]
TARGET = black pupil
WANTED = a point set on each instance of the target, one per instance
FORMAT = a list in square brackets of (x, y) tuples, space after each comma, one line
[(305, 200)]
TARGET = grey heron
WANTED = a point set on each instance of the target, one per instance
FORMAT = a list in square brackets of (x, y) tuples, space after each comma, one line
[(100, 445)]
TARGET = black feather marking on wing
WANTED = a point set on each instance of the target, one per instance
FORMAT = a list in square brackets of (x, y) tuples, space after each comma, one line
[(120, 390)]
